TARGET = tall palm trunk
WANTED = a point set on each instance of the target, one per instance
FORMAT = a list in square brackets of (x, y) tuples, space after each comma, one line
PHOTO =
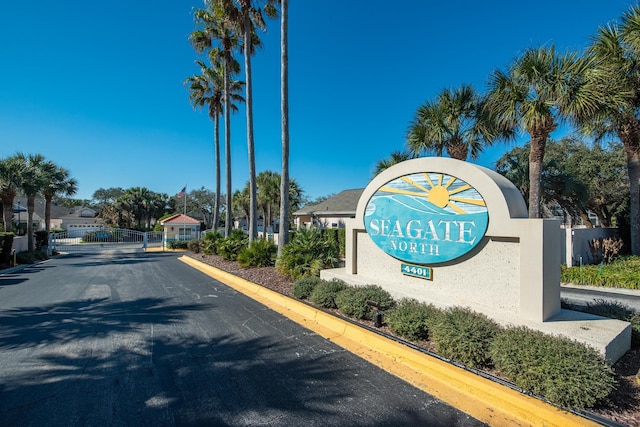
[(536, 157), (216, 138), (633, 166), (228, 225), (47, 212), (630, 137), (31, 204), (283, 232), (7, 210), (253, 206)]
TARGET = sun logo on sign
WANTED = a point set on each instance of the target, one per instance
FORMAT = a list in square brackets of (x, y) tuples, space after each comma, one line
[(452, 194)]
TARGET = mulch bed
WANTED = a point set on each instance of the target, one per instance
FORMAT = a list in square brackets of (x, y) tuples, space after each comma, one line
[(624, 406)]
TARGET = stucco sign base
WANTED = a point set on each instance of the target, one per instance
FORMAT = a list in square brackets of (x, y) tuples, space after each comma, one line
[(417, 211)]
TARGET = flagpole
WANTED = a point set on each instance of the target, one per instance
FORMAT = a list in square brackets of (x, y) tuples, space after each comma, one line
[(184, 218)]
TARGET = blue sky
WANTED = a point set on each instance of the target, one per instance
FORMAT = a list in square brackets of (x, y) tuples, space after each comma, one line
[(97, 87)]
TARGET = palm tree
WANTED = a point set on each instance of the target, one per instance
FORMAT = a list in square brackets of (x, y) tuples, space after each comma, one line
[(218, 28), (268, 195), (246, 16), (395, 158), (617, 52), (454, 122), (58, 182), (34, 181), (241, 202), (283, 232), (11, 177), (539, 90), (206, 89)]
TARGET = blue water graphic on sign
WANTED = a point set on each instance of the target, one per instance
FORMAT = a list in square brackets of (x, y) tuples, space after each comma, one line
[(426, 218)]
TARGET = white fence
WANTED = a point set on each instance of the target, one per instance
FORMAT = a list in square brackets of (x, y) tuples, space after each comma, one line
[(575, 243)]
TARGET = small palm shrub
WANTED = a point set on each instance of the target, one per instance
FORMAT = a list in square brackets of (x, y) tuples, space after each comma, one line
[(302, 288), (307, 254), (195, 246), (209, 242), (352, 301), (564, 371), (412, 319), (260, 253), (465, 336), (229, 247), (325, 292), (178, 244)]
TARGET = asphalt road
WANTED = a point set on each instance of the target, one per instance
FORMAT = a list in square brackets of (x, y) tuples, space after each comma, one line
[(584, 296), (135, 339)]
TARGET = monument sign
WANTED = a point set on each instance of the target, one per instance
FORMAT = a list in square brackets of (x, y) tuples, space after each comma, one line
[(466, 229)]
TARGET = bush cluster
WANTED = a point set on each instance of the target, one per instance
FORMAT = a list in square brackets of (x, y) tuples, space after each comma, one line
[(30, 257), (465, 336), (209, 242), (260, 253), (178, 244), (306, 254), (565, 372), (324, 294), (623, 272), (229, 247), (412, 319), (302, 288), (195, 246), (354, 301)]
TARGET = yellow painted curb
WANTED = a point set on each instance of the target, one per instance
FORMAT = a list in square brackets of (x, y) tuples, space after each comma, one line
[(483, 399)]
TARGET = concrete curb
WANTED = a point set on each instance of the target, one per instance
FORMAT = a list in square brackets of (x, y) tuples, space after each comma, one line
[(483, 399)]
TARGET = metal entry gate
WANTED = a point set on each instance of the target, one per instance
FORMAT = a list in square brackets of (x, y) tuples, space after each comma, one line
[(108, 239)]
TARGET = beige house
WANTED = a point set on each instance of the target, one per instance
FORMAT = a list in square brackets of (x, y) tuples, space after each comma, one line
[(80, 221), (61, 217), (180, 227), (330, 213)]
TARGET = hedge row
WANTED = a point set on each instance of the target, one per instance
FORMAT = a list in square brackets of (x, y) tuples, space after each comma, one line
[(561, 370)]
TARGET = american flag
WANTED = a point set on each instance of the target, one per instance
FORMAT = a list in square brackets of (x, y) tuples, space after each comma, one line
[(182, 192)]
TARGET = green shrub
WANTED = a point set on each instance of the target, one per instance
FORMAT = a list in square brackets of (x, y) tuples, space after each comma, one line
[(229, 247), (331, 236), (352, 302), (195, 246), (260, 253), (412, 319), (563, 371), (6, 243), (307, 254), (42, 239), (30, 257), (209, 242), (623, 272), (178, 244), (464, 336), (302, 288), (325, 292)]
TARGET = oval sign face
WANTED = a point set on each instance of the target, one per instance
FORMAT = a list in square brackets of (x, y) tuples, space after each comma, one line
[(426, 218)]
